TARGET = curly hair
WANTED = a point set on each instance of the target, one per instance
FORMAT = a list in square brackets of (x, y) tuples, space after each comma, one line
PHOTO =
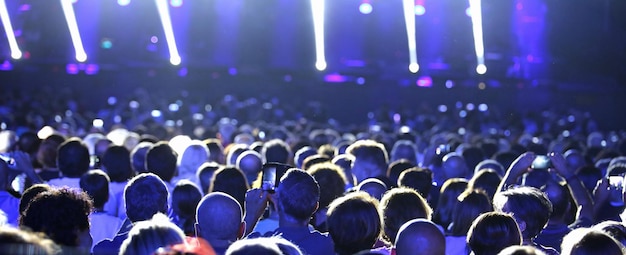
[(59, 213)]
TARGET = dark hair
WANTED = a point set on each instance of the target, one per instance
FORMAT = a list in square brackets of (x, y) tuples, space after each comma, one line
[(96, 184), (472, 203), (327, 150), (28, 142), (492, 232), (354, 222), (216, 150), (587, 241), (472, 155), (31, 193), (276, 150), (331, 180), (302, 154), (298, 194), (205, 175), (138, 157), (116, 162), (487, 180), (313, 160), (400, 205), (417, 178), (404, 150), (450, 191), (18, 241), (48, 149), (396, 168), (144, 196), (73, 158), (59, 213), (161, 160), (527, 204), (614, 229), (559, 196), (231, 181), (370, 159), (185, 199), (589, 176)]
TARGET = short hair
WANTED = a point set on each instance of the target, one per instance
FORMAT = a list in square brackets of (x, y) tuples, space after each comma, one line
[(615, 229), (521, 250), (231, 181), (96, 184), (396, 168), (59, 213), (205, 175), (149, 235), (73, 158), (185, 198), (144, 196), (370, 156), (400, 205), (587, 241), (219, 216), (448, 198), (254, 246), (331, 180), (116, 162), (161, 160), (404, 149), (527, 204), (492, 232), (298, 194), (487, 180), (420, 236), (233, 151), (327, 150), (313, 160), (138, 156), (472, 203), (18, 241), (491, 164), (31, 193), (373, 186), (192, 157), (276, 150), (302, 154), (48, 150), (418, 178), (216, 150), (559, 196), (354, 222)]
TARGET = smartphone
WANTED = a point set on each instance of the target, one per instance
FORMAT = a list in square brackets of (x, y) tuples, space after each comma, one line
[(272, 172), (616, 184), (541, 162)]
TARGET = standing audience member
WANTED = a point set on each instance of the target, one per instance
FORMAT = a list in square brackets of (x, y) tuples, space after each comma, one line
[(138, 157), (250, 163), (492, 232), (103, 226), (400, 205), (73, 162), (450, 191), (188, 162), (161, 161), (205, 175), (47, 157), (277, 151), (590, 241), (420, 237), (219, 220), (472, 203), (332, 184), (370, 161), (22, 242), (354, 223), (185, 199), (147, 236), (116, 162), (231, 181)]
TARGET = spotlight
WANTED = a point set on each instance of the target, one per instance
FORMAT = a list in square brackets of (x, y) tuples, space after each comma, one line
[(365, 8), (8, 29), (317, 7), (70, 18), (409, 19), (477, 29), (166, 22)]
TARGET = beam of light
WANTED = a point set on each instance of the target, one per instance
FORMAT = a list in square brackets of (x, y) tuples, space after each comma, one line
[(409, 18), (164, 14), (477, 28), (317, 6), (70, 18), (8, 29)]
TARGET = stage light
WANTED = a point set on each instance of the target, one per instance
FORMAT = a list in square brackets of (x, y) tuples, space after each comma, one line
[(8, 29), (6, 66), (70, 18), (420, 10), (317, 7), (425, 81), (72, 69), (154, 39), (166, 22), (92, 69), (477, 29), (365, 8), (176, 3), (106, 43), (409, 19), (123, 2)]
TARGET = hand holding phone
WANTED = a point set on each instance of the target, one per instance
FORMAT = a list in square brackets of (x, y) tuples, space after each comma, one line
[(272, 172)]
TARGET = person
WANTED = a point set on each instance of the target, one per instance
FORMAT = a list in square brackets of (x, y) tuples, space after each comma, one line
[(490, 164), (232, 181), (615, 229), (205, 175), (454, 166), (332, 183), (145, 195), (96, 184), (552, 235), (521, 250), (219, 221), (491, 232), (250, 163), (216, 150), (47, 157), (404, 149), (303, 153), (354, 223), (193, 156), (418, 178), (116, 162), (233, 151), (161, 161), (296, 199), (73, 162), (590, 241), (419, 237), (370, 161), (472, 203), (185, 199), (31, 193), (396, 168), (138, 157), (400, 205), (149, 235), (16, 241), (375, 187), (276, 150), (264, 246), (450, 191), (63, 215), (486, 179)]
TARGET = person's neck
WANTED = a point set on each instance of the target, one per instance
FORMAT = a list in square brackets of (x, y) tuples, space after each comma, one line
[(289, 222)]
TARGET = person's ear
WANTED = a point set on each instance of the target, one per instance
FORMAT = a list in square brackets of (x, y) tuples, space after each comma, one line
[(242, 230)]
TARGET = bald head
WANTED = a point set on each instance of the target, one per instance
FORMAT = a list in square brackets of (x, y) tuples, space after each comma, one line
[(219, 217), (454, 166), (420, 236)]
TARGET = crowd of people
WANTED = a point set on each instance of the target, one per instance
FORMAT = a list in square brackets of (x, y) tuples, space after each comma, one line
[(404, 183)]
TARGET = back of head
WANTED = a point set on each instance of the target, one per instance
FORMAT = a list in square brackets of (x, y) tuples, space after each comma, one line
[(375, 187), (559, 196), (450, 191), (205, 175), (185, 198), (331, 180), (233, 151), (490, 164), (298, 195), (472, 203), (22, 242), (96, 184), (420, 236), (31, 193), (138, 157), (254, 246), (354, 222), (313, 160), (492, 232), (454, 166), (250, 163), (472, 155), (192, 157), (487, 180), (161, 160), (302, 154), (615, 229), (219, 217), (144, 196), (48, 150), (586, 241), (116, 162), (370, 159), (149, 235), (527, 204), (216, 150), (396, 168), (404, 149), (231, 181), (400, 205), (419, 179), (521, 250), (276, 151), (28, 142), (73, 158)]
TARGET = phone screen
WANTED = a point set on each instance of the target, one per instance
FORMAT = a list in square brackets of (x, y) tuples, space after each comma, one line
[(541, 162), (272, 172)]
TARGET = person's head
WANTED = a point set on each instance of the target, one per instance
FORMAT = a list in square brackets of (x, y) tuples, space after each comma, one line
[(489, 164), (492, 232), (302, 154), (396, 168), (96, 184), (147, 236), (138, 157), (400, 205), (62, 214), (354, 222), (559, 197), (231, 181), (530, 207), (31, 193), (48, 150), (28, 142), (486, 179), (73, 158), (216, 150), (254, 246), (17, 241), (331, 180), (370, 159), (418, 178), (472, 203), (375, 187), (219, 217), (615, 229), (298, 196), (450, 191), (192, 157), (472, 155), (521, 250), (276, 150), (313, 160), (144, 196), (454, 166), (420, 237), (250, 163), (185, 198), (116, 162), (345, 162), (161, 160), (205, 175), (404, 149), (574, 159), (587, 241), (233, 151)]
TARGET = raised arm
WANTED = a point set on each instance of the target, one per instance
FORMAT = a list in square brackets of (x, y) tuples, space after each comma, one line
[(520, 166), (579, 192)]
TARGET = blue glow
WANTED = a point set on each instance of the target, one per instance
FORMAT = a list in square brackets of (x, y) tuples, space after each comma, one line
[(477, 29), (123, 2), (420, 10), (366, 8), (409, 19), (166, 22), (8, 29), (317, 7), (70, 18), (425, 81), (176, 3)]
